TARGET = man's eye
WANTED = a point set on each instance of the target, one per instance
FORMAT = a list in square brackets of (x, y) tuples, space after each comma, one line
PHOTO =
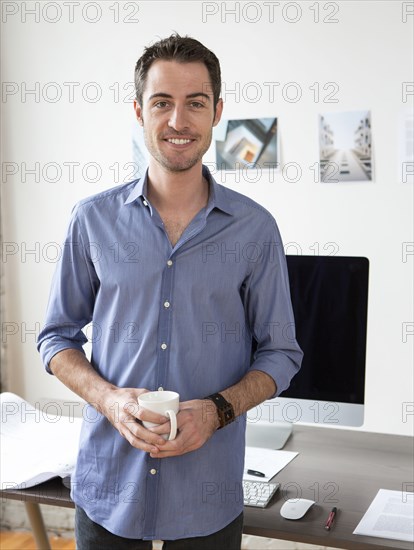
[(197, 104), (161, 104)]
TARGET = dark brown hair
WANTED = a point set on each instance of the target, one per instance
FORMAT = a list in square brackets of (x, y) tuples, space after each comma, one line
[(184, 50)]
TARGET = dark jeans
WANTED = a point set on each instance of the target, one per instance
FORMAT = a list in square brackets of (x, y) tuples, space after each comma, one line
[(91, 536)]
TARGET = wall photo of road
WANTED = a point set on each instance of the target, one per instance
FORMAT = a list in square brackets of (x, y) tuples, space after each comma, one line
[(345, 147)]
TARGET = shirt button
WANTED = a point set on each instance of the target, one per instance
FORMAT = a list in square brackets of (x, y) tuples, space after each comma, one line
[(169, 263), (167, 304), (145, 203), (153, 471), (163, 346)]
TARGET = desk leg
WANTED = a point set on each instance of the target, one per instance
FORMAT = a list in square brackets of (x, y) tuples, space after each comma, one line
[(38, 526)]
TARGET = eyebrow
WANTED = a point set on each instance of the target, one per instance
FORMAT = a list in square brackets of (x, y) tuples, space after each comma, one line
[(189, 96)]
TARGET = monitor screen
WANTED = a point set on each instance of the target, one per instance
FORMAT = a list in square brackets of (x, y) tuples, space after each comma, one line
[(329, 298)]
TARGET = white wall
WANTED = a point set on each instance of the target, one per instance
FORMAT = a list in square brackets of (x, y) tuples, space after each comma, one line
[(366, 53)]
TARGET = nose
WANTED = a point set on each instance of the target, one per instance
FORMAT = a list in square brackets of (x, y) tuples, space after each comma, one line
[(178, 120)]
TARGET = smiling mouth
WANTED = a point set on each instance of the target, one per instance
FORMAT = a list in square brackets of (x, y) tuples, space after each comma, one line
[(179, 141)]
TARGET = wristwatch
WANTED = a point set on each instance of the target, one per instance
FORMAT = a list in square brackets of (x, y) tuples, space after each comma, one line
[(225, 409)]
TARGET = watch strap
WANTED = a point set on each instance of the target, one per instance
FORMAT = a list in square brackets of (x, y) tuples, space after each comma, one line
[(225, 409)]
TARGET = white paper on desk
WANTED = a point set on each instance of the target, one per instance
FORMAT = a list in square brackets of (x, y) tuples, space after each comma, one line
[(267, 461), (34, 445), (390, 516)]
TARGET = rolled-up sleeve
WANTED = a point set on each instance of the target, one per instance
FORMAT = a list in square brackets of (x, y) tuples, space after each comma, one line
[(72, 295)]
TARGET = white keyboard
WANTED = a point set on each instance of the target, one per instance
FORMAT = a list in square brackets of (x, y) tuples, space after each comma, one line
[(258, 493)]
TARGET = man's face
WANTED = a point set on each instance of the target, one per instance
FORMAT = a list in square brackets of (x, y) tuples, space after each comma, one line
[(177, 113)]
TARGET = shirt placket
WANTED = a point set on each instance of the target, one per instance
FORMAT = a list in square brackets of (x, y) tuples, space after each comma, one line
[(163, 349), (164, 324), (164, 341)]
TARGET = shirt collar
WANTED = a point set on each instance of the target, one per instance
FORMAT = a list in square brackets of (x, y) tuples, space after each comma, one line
[(139, 189), (217, 197)]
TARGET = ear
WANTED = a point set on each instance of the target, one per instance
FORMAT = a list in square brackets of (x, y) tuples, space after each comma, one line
[(138, 112), (219, 110)]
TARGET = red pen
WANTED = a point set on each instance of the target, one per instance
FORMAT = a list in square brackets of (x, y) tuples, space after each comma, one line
[(330, 519)]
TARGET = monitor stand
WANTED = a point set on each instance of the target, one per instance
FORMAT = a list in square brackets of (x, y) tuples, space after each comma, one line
[(268, 435)]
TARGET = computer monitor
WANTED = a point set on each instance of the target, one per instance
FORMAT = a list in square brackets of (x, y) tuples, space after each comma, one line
[(329, 298)]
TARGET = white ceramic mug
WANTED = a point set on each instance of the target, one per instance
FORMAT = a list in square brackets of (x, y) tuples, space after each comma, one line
[(161, 402)]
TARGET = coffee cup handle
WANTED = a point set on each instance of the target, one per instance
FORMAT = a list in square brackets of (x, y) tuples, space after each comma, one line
[(173, 420)]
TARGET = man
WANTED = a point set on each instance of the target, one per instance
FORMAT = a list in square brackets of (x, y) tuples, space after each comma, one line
[(178, 275)]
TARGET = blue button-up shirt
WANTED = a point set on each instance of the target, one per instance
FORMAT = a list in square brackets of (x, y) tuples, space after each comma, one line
[(180, 318)]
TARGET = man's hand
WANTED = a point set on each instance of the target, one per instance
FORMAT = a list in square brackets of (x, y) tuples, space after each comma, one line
[(120, 406), (197, 420)]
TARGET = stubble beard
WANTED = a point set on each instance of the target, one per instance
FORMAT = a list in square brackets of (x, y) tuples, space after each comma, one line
[(177, 164)]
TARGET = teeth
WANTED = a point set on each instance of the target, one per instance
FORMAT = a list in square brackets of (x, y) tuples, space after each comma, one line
[(179, 141)]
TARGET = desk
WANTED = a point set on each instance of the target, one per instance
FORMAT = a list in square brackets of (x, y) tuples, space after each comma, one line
[(340, 468)]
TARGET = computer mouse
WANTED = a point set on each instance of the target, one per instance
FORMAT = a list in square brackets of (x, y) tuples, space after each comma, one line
[(296, 508)]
